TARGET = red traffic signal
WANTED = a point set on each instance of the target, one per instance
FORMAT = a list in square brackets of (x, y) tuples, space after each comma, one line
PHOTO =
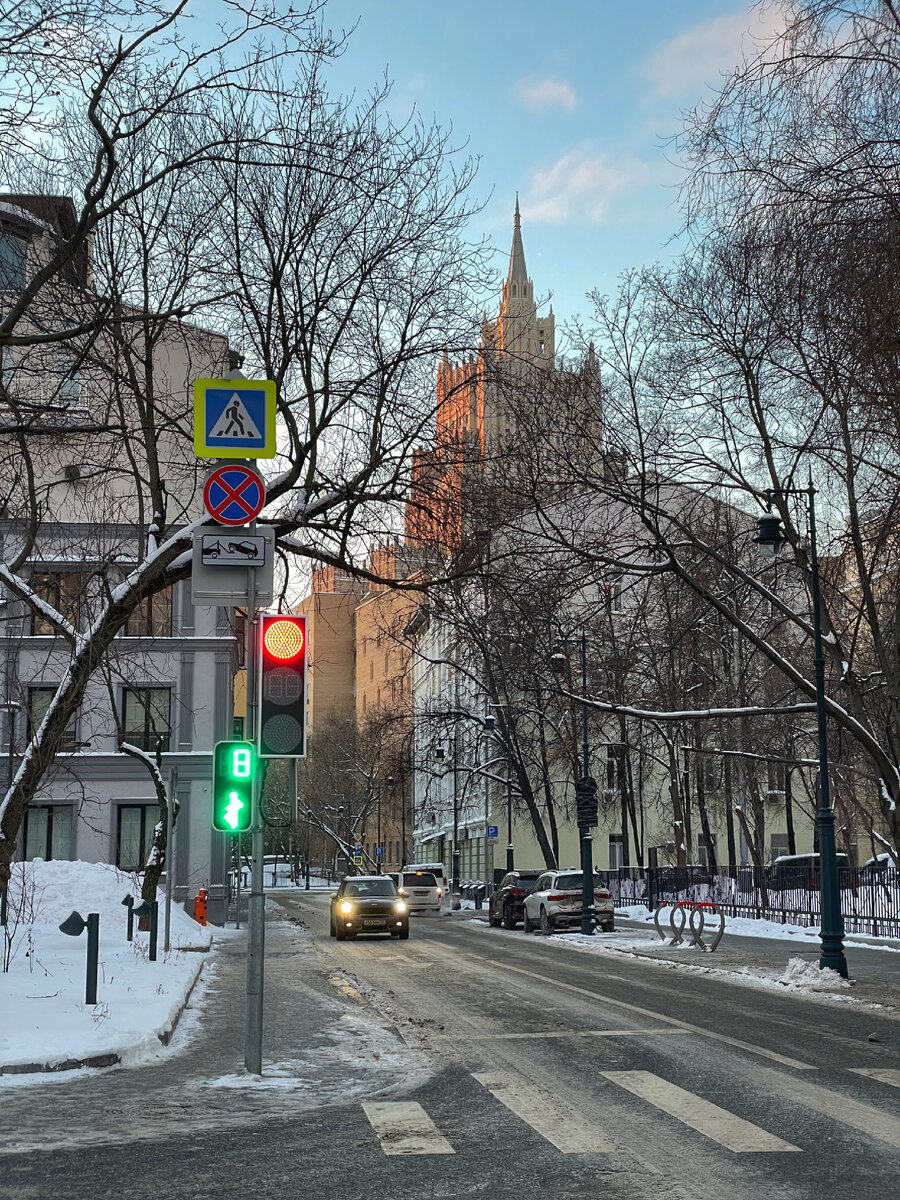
[(282, 687)]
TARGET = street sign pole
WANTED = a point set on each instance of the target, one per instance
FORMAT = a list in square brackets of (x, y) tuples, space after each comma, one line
[(256, 916)]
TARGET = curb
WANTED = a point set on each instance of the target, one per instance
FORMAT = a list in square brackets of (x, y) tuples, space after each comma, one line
[(99, 1061)]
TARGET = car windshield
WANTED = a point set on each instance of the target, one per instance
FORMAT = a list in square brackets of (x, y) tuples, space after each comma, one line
[(567, 883), (419, 879), (370, 887)]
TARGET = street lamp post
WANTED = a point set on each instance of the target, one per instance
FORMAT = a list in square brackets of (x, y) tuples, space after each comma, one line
[(770, 541), (306, 879), (454, 870), (585, 791), (489, 726)]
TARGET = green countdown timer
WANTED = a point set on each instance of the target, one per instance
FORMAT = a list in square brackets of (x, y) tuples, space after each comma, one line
[(234, 765)]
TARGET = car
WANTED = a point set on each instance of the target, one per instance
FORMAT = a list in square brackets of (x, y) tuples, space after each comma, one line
[(798, 871), (874, 870), (368, 904), (420, 890), (506, 901), (436, 868), (556, 901)]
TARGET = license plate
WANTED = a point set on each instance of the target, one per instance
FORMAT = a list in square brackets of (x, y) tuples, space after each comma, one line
[(374, 921), (420, 893)]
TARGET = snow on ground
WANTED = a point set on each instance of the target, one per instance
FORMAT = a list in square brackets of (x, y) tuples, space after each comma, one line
[(43, 1017), (750, 927)]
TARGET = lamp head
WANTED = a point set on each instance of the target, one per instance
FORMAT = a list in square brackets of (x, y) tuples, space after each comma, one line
[(558, 664), (769, 537), (143, 909), (439, 753), (128, 900), (74, 924), (489, 723)]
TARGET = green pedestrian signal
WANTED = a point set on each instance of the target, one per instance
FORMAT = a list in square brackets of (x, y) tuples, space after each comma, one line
[(234, 765)]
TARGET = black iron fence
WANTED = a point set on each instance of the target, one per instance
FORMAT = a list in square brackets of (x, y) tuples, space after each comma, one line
[(785, 892)]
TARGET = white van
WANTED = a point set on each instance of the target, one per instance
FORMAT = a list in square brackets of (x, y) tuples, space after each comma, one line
[(436, 868)]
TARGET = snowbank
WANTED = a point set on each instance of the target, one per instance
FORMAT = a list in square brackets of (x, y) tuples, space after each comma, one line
[(44, 1021)]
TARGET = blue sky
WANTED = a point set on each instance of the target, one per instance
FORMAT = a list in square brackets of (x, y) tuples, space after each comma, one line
[(571, 104)]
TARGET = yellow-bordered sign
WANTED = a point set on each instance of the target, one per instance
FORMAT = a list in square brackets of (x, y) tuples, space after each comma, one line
[(234, 418)]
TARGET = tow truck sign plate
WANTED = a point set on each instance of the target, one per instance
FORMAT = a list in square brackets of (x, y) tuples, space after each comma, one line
[(228, 550)]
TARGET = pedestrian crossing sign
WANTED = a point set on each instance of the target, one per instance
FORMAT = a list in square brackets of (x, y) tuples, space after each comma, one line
[(234, 418)]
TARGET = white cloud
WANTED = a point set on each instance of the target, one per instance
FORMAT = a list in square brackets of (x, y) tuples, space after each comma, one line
[(545, 93), (583, 184), (703, 53)]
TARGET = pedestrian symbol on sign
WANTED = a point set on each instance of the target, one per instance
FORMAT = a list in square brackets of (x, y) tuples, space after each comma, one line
[(236, 422)]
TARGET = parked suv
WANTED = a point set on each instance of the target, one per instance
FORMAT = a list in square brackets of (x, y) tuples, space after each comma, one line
[(420, 890), (556, 902), (507, 900)]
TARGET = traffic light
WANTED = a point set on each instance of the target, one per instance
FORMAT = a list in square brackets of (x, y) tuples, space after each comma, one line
[(282, 687), (234, 765)]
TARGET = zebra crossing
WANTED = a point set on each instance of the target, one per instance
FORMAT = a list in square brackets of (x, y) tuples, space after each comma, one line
[(404, 1127)]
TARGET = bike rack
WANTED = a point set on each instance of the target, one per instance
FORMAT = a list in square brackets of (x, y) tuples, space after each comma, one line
[(697, 909)]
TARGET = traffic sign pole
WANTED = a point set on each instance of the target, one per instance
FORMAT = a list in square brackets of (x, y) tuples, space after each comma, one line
[(256, 916)]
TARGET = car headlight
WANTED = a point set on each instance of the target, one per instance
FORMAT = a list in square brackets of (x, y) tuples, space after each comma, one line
[(400, 906), (346, 907)]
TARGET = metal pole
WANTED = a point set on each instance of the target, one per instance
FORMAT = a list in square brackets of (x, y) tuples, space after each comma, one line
[(129, 925), (510, 852), (306, 882), (402, 862), (587, 846), (256, 942), (170, 855), (455, 901), (154, 928), (93, 956), (832, 931)]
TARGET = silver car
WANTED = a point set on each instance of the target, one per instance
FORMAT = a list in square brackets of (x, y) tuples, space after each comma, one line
[(556, 902)]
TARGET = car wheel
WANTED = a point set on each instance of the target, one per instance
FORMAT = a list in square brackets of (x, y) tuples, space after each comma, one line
[(526, 921), (404, 933), (494, 921), (608, 927), (546, 923), (508, 922)]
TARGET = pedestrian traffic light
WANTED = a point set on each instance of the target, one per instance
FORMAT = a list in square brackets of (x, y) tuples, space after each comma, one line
[(282, 687), (234, 765)]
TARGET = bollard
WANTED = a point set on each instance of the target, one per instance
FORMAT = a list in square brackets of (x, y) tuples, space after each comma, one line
[(200, 907), (154, 928), (129, 903), (74, 925)]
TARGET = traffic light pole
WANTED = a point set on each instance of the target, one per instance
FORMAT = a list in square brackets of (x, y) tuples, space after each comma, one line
[(256, 915)]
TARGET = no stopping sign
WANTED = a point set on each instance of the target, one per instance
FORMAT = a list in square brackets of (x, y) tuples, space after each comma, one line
[(234, 494)]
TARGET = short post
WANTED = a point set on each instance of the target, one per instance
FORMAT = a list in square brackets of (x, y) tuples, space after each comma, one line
[(93, 957), (154, 928), (129, 929)]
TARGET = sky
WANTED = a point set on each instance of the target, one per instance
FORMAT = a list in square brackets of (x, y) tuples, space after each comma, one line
[(572, 104)]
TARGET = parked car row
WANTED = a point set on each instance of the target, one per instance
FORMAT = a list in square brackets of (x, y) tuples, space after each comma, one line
[(547, 900)]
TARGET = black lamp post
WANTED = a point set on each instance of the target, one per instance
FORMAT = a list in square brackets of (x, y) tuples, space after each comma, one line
[(440, 754), (770, 540), (510, 851), (585, 790), (306, 877)]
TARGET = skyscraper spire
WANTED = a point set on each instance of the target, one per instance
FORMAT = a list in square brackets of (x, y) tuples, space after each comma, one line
[(517, 272)]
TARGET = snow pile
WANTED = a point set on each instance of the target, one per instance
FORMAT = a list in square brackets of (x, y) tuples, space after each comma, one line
[(44, 1020), (803, 974)]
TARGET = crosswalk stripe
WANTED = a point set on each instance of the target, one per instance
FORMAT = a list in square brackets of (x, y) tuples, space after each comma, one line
[(734, 1133), (831, 1104), (546, 1114), (404, 1127), (882, 1074)]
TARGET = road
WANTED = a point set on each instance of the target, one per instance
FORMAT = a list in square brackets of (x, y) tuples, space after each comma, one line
[(522, 1068)]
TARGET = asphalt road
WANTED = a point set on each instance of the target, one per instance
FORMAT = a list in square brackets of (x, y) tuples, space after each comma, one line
[(486, 1063)]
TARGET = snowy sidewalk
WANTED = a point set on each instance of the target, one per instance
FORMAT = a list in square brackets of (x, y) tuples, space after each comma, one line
[(45, 1024)]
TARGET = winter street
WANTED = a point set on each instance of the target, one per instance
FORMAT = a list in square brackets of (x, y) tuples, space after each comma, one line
[(500, 1058)]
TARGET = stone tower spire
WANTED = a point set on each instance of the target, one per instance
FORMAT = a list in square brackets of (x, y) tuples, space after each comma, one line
[(517, 271)]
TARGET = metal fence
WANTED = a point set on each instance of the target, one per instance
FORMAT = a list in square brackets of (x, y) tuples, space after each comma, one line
[(787, 893)]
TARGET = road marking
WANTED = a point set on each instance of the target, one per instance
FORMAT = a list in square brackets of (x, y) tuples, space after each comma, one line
[(547, 1114), (653, 1016), (882, 1074), (839, 1108), (404, 1127), (734, 1133), (347, 988)]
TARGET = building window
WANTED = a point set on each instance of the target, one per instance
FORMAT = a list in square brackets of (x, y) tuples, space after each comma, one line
[(616, 854), (62, 591), (39, 699), (13, 253), (237, 728), (152, 617), (146, 717), (48, 832), (134, 835)]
